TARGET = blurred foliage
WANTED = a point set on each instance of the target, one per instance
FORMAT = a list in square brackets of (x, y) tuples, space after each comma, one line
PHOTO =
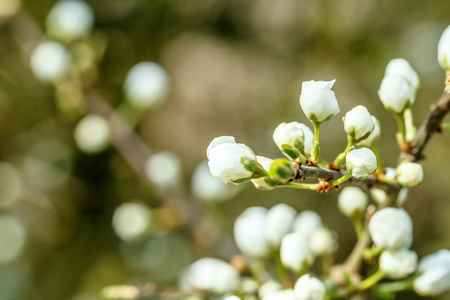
[(235, 69)]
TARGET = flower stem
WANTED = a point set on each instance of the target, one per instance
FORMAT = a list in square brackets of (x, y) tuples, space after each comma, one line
[(411, 130), (445, 126), (338, 181), (357, 223), (371, 280), (303, 186), (341, 157), (395, 286), (401, 130), (315, 152)]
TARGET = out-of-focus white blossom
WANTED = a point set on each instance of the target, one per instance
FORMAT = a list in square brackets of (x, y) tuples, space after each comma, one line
[(11, 185), (260, 183), (352, 201), (318, 101), (401, 67), (69, 20), (402, 196), (444, 50), (9, 7), (232, 297), (164, 169), (146, 84), (269, 287), (410, 174), (281, 295), (379, 196), (279, 220), (396, 93), (295, 252), (12, 238), (434, 270), (306, 222), (224, 159), (92, 134), (50, 61), (131, 220), (249, 232), (287, 133), (212, 275), (373, 138), (398, 264), (322, 242), (361, 162), (309, 288), (358, 123), (391, 229)]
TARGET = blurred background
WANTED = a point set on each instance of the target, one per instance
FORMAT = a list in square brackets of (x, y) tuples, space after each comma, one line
[(100, 186)]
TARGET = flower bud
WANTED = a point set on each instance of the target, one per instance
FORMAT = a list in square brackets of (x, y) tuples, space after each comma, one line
[(225, 160), (295, 253), (352, 201), (322, 242), (444, 50), (379, 196), (373, 138), (309, 288), (410, 174), (292, 134), (391, 229), (69, 20), (146, 85), (281, 295), (361, 162), (318, 101), (306, 222), (92, 134), (396, 93), (249, 232), (50, 61), (398, 264), (434, 270), (212, 275), (164, 169), (401, 67), (278, 223), (264, 183), (358, 123)]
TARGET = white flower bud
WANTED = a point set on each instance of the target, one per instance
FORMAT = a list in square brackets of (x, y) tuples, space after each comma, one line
[(398, 264), (249, 232), (69, 20), (269, 287), (224, 159), (401, 67), (212, 275), (391, 229), (444, 50), (50, 61), (373, 138), (380, 196), (281, 295), (309, 288), (92, 134), (410, 174), (306, 222), (361, 162), (434, 270), (164, 169), (260, 183), (318, 101), (208, 188), (287, 133), (352, 201), (146, 84), (322, 242), (358, 123), (396, 93), (295, 252), (278, 223), (131, 220)]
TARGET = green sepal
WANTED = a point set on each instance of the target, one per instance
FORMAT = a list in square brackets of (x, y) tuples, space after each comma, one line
[(290, 151), (299, 145), (365, 136), (241, 180), (312, 117), (248, 163), (270, 181), (281, 170)]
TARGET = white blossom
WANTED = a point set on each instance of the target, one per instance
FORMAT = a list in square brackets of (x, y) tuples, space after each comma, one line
[(269, 287), (398, 264), (410, 174), (352, 201), (295, 252), (318, 101), (373, 138), (401, 67), (281, 295), (309, 288), (260, 183), (92, 134), (307, 221), (279, 220), (146, 84), (50, 61), (69, 19), (396, 92), (224, 159), (249, 232), (213, 275), (358, 123), (434, 270), (361, 162), (164, 169), (322, 242), (391, 229), (287, 133), (444, 50)]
